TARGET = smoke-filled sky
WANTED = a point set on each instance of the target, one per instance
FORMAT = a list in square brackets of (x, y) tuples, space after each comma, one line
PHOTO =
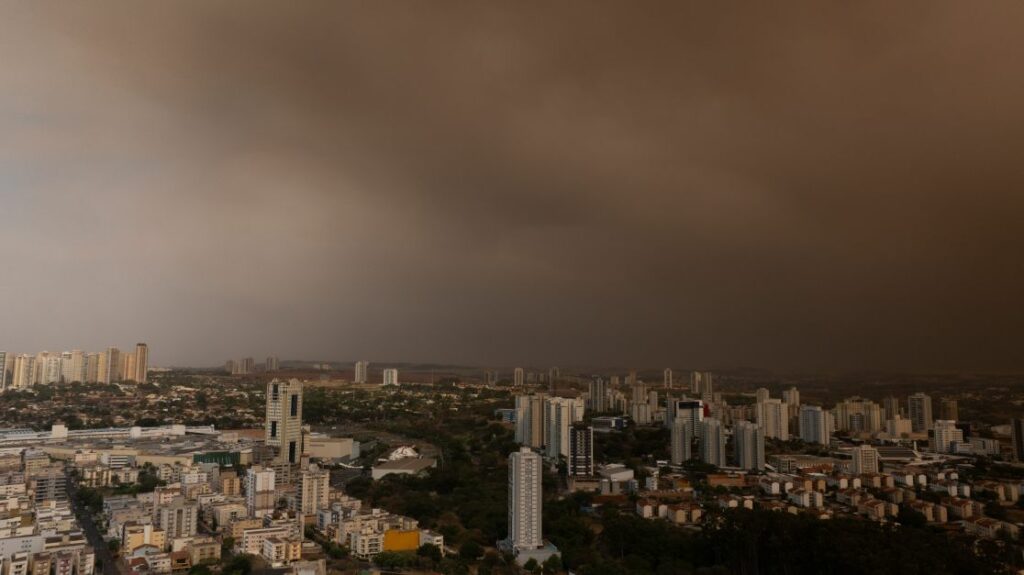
[(789, 185)]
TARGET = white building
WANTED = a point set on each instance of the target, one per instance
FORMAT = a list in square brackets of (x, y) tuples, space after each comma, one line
[(524, 500), (946, 436), (681, 440), (815, 424), (919, 406), (284, 419), (773, 417), (749, 444), (362, 371), (712, 442), (865, 460), (390, 376)]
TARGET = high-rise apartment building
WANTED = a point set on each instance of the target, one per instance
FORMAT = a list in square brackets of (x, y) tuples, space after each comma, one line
[(701, 383), (919, 407), (890, 407), (666, 378), (390, 376), (946, 436), (581, 451), (559, 415), (815, 424), (524, 500), (113, 373), (92, 367), (530, 418), (772, 416), (598, 395), (178, 519), (259, 490), (314, 484), (272, 364), (141, 363), (518, 377), (361, 372), (128, 366), (681, 440), (23, 375), (865, 459), (791, 397), (1017, 435), (949, 410), (749, 445), (712, 442), (858, 414), (284, 419), (3, 370)]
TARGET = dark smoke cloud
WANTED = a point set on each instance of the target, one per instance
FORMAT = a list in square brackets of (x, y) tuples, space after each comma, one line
[(694, 185)]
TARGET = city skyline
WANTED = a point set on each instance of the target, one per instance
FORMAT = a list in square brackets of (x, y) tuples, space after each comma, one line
[(770, 187)]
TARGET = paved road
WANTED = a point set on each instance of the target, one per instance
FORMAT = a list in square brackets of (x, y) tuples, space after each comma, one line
[(110, 565)]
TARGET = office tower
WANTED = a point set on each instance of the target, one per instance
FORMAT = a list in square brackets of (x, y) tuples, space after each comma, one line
[(815, 424), (666, 378), (865, 459), (919, 407), (598, 395), (92, 368), (948, 410), (524, 500), (272, 363), (749, 444), (891, 407), (259, 490), (390, 376), (1017, 434), (23, 375), (559, 415), (314, 484), (581, 450), (681, 440), (518, 377), (946, 436), (141, 363), (284, 419), (362, 372), (773, 417), (128, 366), (858, 414), (791, 396), (113, 373), (712, 442), (3, 371)]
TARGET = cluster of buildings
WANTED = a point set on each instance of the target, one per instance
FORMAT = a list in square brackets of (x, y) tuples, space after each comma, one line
[(247, 365), (22, 371), (858, 458), (39, 533)]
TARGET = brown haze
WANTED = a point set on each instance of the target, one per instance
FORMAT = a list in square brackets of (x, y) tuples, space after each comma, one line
[(632, 183)]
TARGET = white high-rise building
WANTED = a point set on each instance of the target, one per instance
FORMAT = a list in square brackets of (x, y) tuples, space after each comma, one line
[(946, 436), (701, 383), (919, 407), (259, 490), (49, 368), (858, 414), (712, 442), (313, 491), (749, 444), (390, 376), (773, 417), (865, 459), (559, 415), (272, 364), (815, 424), (362, 372), (284, 419), (691, 410), (762, 395), (102, 368), (791, 396), (518, 377), (681, 440), (525, 469), (74, 370), (598, 395)]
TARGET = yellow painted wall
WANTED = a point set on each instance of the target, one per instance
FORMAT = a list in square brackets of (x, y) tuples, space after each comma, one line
[(398, 540)]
